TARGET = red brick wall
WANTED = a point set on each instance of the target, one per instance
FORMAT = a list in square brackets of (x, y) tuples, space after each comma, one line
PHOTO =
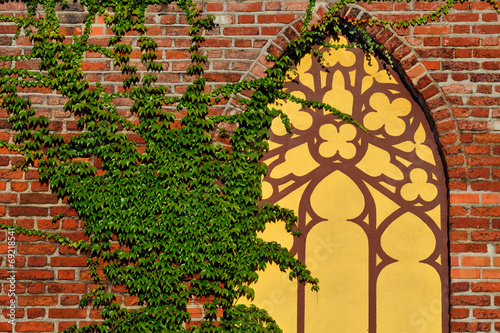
[(454, 64)]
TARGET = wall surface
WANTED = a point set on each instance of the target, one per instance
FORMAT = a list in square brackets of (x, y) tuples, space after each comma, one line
[(454, 65)]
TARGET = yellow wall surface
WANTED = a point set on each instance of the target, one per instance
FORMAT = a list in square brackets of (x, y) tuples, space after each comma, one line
[(371, 206)]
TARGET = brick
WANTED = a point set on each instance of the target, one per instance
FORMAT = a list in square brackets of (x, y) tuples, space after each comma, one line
[(34, 326), (478, 173), (459, 313), (485, 287), (476, 248), (280, 18), (241, 31), (36, 248), (464, 198), (486, 53), (485, 186), (244, 7), (470, 327), (37, 261), (463, 53), (486, 313), (68, 261), (432, 30), (476, 261), (66, 274), (457, 173), (28, 211), (69, 299), (461, 29), (460, 41), (455, 235), (480, 112), (486, 29), (491, 273), (36, 288), (19, 186), (460, 65), (490, 198), (39, 187), (490, 41), (485, 211), (62, 325), (67, 288), (465, 273), (482, 77), (34, 300), (38, 198), (466, 17), (458, 287), (34, 275), (435, 52), (9, 174), (67, 211), (35, 313), (481, 300), (459, 77), (485, 160), (270, 31), (483, 89), (483, 101), (67, 313), (215, 7)]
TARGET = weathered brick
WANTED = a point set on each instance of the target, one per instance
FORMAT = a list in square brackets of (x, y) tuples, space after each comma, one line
[(34, 326)]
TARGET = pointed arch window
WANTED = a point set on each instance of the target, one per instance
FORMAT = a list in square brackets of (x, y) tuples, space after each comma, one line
[(372, 208)]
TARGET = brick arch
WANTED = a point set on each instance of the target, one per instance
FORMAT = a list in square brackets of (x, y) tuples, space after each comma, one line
[(412, 71)]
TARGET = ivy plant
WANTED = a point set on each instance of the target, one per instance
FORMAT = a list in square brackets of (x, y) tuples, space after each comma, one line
[(176, 217)]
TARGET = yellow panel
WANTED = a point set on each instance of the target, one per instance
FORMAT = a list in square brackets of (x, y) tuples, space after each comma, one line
[(339, 97), (435, 215), (388, 114), (276, 232), (389, 187), (267, 190), (305, 78), (352, 76), (409, 299), (278, 296), (366, 83), (377, 162), (284, 186), (323, 76), (326, 198), (343, 56), (274, 145), (337, 140), (403, 161), (298, 161), (337, 254), (409, 240), (419, 187), (423, 151), (384, 205), (374, 69)]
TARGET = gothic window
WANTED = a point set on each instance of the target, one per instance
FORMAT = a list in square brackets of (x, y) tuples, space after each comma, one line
[(372, 208)]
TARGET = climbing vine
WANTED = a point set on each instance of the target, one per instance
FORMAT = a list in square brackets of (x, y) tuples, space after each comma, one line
[(178, 216)]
